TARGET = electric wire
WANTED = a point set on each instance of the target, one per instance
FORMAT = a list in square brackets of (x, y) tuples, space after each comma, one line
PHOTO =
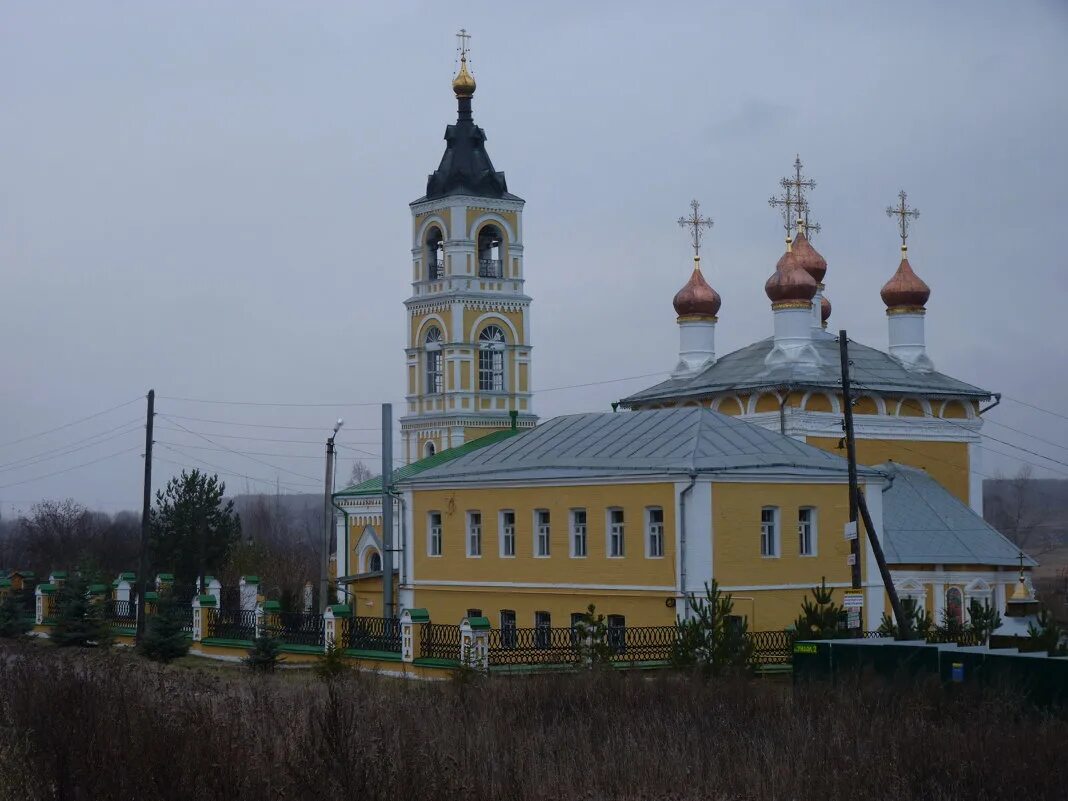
[(292, 487), (72, 423), (68, 469), (63, 450), (1036, 408)]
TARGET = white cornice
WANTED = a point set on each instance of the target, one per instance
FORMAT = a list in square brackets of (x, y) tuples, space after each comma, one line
[(468, 201)]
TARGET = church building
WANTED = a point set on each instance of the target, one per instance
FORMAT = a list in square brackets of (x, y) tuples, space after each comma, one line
[(733, 468)]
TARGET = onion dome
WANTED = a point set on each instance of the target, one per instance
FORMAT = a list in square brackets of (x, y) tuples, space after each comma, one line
[(790, 283), (905, 290), (809, 258), (825, 310), (697, 298), (464, 82)]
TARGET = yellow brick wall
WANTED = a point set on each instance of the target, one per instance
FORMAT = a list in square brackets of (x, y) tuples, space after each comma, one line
[(946, 462)]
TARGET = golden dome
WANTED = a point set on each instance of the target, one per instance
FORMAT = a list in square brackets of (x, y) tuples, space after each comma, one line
[(810, 258), (905, 289), (790, 282), (464, 82), (697, 298)]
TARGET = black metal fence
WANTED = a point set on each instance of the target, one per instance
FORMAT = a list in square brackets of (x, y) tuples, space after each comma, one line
[(370, 634), (232, 624), (439, 641), (297, 628), (538, 645), (771, 647), (121, 613)]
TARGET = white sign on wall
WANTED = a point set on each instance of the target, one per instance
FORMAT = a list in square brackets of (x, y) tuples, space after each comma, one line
[(853, 600), (851, 530)]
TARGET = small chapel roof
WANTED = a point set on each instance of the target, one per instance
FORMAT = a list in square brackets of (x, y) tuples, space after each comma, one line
[(643, 443), (744, 370), (923, 523)]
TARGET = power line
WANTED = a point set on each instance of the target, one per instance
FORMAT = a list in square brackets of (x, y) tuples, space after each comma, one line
[(239, 453), (43, 456), (1036, 408), (268, 403), (224, 471), (173, 417), (72, 423), (68, 469)]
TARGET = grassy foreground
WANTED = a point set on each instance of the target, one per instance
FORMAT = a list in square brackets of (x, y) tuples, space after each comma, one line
[(104, 726)]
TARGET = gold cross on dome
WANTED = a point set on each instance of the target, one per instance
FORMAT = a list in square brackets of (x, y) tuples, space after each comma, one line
[(904, 215), (462, 38), (787, 202), (695, 222)]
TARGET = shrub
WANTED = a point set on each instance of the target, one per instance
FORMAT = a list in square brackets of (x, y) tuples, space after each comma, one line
[(332, 664), (984, 620), (14, 620), (264, 655), (1047, 634), (591, 638), (164, 638), (920, 623)]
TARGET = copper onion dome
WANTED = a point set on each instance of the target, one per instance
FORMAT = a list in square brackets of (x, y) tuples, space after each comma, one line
[(697, 298), (809, 258), (825, 310), (790, 282), (905, 289)]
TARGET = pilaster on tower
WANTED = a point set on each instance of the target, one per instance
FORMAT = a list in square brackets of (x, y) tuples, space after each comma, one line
[(469, 341)]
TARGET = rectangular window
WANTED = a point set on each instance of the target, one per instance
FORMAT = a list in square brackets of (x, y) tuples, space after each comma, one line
[(541, 532), (617, 633), (507, 529), (616, 544), (806, 531), (491, 370), (654, 545), (542, 629), (474, 534), (434, 375), (433, 534), (769, 534), (578, 533), (474, 613), (508, 636)]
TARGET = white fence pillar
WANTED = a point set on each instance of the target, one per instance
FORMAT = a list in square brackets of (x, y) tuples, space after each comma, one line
[(474, 643)]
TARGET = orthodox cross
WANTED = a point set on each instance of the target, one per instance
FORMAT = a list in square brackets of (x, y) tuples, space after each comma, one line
[(798, 183), (787, 202), (462, 38), (811, 227), (904, 215), (695, 222)]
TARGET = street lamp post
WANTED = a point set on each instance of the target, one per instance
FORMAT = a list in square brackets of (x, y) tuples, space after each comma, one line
[(328, 519)]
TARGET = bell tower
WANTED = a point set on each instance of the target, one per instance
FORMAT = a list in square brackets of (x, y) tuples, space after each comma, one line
[(469, 346)]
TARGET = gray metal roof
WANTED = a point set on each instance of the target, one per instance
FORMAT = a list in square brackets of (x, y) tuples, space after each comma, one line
[(651, 442), (744, 370), (923, 523)]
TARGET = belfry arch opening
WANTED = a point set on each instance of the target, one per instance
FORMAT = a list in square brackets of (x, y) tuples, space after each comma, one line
[(490, 258), (435, 254)]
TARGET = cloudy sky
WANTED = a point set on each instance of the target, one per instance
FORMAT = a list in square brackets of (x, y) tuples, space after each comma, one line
[(210, 199)]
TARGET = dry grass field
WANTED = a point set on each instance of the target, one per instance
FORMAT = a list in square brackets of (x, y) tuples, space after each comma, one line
[(110, 726)]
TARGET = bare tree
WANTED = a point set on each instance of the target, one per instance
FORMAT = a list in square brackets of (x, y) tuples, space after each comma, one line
[(360, 473), (1016, 510)]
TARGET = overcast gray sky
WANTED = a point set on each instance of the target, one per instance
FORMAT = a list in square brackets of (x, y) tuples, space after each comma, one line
[(210, 198)]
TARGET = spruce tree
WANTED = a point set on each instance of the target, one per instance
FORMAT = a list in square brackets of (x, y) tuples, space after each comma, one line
[(712, 639), (264, 655), (821, 618), (164, 638), (14, 621), (1046, 636), (80, 622)]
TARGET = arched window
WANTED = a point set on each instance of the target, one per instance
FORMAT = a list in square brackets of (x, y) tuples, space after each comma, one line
[(434, 376), (374, 562), (491, 359), (435, 254), (955, 605), (429, 449), (489, 252)]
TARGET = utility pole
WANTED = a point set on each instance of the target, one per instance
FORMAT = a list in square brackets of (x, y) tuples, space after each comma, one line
[(146, 507), (328, 520), (857, 504), (387, 512), (851, 453)]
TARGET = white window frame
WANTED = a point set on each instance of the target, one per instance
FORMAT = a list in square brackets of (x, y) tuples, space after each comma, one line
[(433, 344), (610, 531), (491, 360), (574, 535), (650, 532), (813, 531), (473, 537), (538, 533), (774, 535), (504, 535), (434, 534)]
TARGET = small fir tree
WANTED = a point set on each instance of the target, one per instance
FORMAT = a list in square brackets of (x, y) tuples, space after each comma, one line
[(164, 638), (821, 618), (1047, 635), (984, 620), (591, 638), (264, 655), (80, 621), (14, 621), (332, 665), (712, 640), (920, 623)]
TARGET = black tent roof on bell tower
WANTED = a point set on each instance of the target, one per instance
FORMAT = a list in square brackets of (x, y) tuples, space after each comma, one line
[(465, 167)]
